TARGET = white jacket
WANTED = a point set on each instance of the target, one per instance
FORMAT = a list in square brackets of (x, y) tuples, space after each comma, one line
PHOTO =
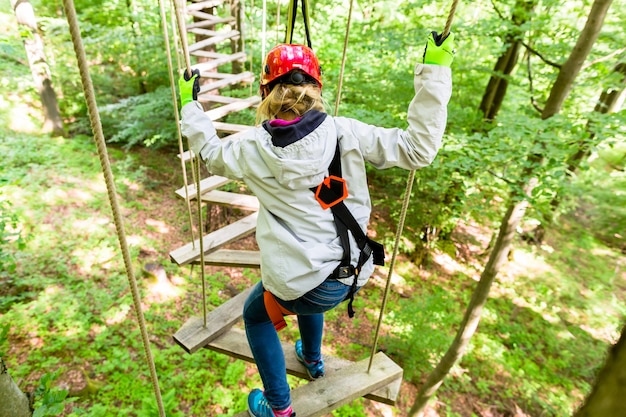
[(297, 238)]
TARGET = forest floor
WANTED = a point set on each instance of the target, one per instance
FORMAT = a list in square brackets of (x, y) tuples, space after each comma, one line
[(71, 310)]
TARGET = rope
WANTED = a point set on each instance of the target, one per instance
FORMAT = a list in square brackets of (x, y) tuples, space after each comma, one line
[(182, 31), (405, 205), (343, 59), (291, 21), (175, 104), (96, 127)]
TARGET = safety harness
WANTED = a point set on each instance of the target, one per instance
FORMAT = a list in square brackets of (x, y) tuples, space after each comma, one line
[(331, 193)]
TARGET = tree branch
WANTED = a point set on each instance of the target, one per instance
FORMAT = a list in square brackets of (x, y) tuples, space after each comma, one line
[(604, 58), (535, 52), (533, 102)]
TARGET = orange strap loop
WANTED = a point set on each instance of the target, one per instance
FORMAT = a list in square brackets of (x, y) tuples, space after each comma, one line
[(275, 311)]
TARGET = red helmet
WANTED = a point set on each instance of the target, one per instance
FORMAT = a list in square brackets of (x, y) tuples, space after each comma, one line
[(284, 58)]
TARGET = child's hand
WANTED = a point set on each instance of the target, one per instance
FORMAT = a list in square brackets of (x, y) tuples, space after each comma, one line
[(189, 87), (438, 50)]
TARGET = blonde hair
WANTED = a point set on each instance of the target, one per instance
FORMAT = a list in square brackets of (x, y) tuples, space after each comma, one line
[(289, 98)]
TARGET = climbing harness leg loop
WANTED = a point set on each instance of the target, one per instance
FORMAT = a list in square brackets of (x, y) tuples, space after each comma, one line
[(275, 311)]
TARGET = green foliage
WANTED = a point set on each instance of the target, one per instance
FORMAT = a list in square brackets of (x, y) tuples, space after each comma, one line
[(149, 407), (422, 328), (48, 400), (144, 120)]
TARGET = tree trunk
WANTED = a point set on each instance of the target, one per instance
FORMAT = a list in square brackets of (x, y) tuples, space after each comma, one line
[(236, 44), (610, 101), (13, 402), (515, 212), (25, 15), (498, 83), (471, 319), (607, 396)]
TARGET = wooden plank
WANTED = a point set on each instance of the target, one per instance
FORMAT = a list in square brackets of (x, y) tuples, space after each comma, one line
[(219, 112), (208, 20), (234, 343), (206, 184), (205, 67), (193, 335), (245, 76), (233, 34), (213, 241), (220, 99), (206, 4), (233, 258), (240, 201), (204, 32), (230, 127)]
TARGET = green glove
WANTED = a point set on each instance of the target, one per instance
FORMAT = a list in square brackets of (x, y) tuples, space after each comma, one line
[(439, 50), (189, 87)]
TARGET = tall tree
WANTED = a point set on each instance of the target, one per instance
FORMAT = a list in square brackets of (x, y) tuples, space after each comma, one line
[(39, 68), (505, 64), (13, 402), (518, 203), (607, 396)]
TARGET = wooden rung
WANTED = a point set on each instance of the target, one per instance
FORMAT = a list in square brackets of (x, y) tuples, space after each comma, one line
[(218, 113), (233, 342), (245, 76), (206, 184), (215, 240), (233, 258), (208, 20), (240, 201), (230, 127), (206, 4), (205, 67), (204, 32), (193, 335), (213, 40), (213, 98)]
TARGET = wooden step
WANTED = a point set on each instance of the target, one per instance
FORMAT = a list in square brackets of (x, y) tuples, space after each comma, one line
[(192, 336), (224, 198), (215, 240), (233, 258), (223, 111), (245, 76), (233, 34), (206, 184), (205, 67), (234, 343), (230, 127), (208, 20), (220, 99), (205, 4)]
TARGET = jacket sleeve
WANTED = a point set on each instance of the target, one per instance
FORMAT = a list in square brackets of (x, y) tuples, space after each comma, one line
[(417, 146), (220, 157)]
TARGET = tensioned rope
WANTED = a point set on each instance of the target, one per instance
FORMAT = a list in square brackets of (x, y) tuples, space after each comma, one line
[(182, 34), (405, 205), (96, 127), (170, 69)]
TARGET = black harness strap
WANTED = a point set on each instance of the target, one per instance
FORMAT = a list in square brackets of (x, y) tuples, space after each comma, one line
[(332, 194)]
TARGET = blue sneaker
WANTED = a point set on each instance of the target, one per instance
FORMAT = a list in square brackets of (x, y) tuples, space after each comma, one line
[(259, 407), (314, 369)]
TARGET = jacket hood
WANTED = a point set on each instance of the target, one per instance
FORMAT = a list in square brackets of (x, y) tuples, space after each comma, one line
[(298, 154)]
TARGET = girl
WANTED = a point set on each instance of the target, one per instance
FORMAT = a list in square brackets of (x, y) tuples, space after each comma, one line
[(282, 161)]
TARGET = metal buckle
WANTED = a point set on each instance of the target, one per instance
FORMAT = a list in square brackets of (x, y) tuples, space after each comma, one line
[(345, 271)]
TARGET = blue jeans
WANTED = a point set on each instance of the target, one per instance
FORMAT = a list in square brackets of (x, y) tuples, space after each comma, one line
[(265, 344)]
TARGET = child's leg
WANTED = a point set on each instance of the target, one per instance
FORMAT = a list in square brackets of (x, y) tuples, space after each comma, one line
[(311, 328), (267, 350)]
